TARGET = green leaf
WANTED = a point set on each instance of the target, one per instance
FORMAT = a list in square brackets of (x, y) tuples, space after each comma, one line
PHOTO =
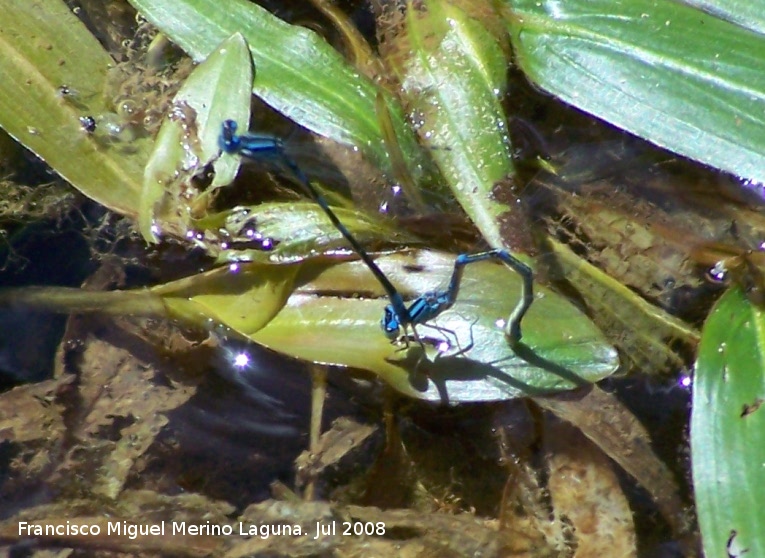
[(288, 232), (728, 428), (674, 75), (749, 14), (243, 298), (328, 312), (326, 321), (297, 72), (453, 74), (217, 89), (43, 46)]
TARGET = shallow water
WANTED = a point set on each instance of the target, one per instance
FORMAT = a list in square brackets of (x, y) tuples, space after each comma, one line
[(133, 418)]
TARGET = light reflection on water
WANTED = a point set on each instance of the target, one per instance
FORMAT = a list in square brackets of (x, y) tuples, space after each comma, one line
[(247, 424)]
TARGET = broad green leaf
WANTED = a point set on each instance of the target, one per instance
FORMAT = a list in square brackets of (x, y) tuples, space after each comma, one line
[(728, 428), (296, 71), (672, 74), (44, 47), (332, 316), (453, 73), (217, 89), (326, 321), (222, 91)]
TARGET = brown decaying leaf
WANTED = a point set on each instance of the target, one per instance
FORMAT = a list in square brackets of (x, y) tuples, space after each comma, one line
[(602, 418), (81, 432), (31, 426), (343, 451), (408, 533), (123, 394), (586, 493)]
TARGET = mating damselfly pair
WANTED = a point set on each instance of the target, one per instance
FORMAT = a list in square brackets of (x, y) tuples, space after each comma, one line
[(398, 318)]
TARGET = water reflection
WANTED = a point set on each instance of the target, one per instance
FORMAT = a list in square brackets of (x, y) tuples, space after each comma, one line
[(246, 424)]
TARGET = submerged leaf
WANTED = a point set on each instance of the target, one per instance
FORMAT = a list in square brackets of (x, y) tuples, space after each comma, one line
[(288, 232), (585, 489), (613, 427), (652, 340), (728, 428)]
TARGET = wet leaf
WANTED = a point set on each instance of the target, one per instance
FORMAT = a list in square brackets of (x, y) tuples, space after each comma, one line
[(296, 71), (54, 74), (453, 73), (217, 89), (330, 313), (36, 400), (243, 298), (32, 429), (728, 428), (325, 322), (221, 93), (749, 14), (123, 405), (289, 232), (677, 76)]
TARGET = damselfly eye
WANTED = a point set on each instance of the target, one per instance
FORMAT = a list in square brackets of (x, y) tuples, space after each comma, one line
[(390, 323)]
